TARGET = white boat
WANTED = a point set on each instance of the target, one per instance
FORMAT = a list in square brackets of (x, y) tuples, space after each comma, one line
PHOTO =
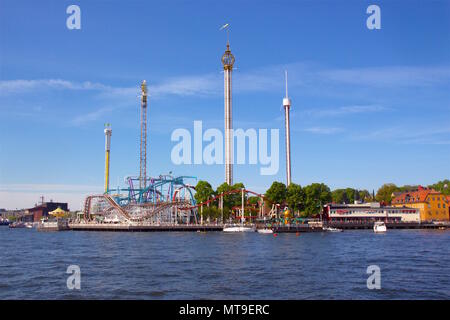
[(379, 227), (331, 229), (239, 228), (265, 231)]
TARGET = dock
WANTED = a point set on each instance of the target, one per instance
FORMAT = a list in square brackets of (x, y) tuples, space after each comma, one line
[(60, 225), (143, 227), (298, 228)]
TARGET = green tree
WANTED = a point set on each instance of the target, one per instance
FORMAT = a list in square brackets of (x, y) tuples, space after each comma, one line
[(237, 197), (230, 200), (203, 191), (316, 195), (276, 193), (349, 195), (407, 188), (384, 194), (442, 186), (254, 200), (365, 196), (339, 196), (211, 212), (295, 197)]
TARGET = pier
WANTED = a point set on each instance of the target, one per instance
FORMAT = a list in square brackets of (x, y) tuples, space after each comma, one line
[(143, 227), (299, 228)]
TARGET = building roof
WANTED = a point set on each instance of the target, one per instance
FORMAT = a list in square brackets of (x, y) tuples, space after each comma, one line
[(419, 195), (48, 205), (364, 206)]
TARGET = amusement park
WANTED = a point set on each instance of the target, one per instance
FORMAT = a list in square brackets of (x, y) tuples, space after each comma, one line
[(170, 202), (173, 203)]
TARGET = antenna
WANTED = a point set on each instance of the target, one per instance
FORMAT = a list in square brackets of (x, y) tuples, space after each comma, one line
[(286, 77), (225, 26)]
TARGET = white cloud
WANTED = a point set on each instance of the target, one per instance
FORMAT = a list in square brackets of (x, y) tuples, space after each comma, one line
[(393, 76), (91, 116), (27, 187), (438, 134), (261, 79), (22, 196), (323, 130), (345, 110)]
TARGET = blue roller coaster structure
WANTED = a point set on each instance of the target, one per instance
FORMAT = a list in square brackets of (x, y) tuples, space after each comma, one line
[(165, 188)]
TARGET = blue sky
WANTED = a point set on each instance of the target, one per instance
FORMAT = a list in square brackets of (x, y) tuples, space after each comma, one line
[(368, 106)]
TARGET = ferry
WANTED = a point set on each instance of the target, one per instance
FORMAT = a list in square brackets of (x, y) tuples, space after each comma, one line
[(4, 222)]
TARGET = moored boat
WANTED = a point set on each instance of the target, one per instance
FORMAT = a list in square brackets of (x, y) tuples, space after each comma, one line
[(331, 229), (379, 227), (17, 224), (265, 231), (238, 228)]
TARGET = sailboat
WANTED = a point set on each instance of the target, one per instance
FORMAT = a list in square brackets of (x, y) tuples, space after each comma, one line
[(240, 227)]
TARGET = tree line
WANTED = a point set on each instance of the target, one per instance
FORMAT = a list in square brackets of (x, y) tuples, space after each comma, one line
[(304, 201), (387, 190)]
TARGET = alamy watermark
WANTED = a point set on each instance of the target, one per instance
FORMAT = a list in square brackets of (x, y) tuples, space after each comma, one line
[(74, 20), (374, 279), (213, 152), (74, 280), (374, 20)]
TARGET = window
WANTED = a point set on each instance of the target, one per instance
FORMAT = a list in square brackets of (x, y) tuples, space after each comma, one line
[(443, 205), (439, 205)]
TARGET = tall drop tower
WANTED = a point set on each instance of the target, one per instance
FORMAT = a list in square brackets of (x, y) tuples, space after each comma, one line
[(143, 154), (108, 133), (228, 61), (287, 106)]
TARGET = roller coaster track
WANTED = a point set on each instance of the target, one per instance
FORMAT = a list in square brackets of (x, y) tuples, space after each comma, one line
[(161, 207), (198, 205), (117, 206), (181, 205)]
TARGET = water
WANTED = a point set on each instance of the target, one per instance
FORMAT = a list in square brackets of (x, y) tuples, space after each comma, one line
[(415, 264)]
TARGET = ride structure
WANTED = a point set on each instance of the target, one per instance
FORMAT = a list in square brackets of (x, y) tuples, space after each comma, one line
[(165, 199)]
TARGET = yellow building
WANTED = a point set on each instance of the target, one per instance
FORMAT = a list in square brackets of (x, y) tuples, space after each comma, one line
[(433, 204)]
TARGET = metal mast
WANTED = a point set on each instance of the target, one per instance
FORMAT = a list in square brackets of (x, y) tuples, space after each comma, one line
[(228, 61), (143, 154), (108, 133), (287, 106)]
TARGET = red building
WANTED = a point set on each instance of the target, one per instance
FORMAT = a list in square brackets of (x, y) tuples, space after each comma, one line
[(43, 209)]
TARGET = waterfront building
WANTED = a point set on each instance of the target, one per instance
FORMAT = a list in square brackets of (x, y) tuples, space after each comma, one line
[(42, 210), (433, 205), (369, 212)]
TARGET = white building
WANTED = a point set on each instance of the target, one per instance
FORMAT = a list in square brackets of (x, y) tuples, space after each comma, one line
[(374, 211)]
